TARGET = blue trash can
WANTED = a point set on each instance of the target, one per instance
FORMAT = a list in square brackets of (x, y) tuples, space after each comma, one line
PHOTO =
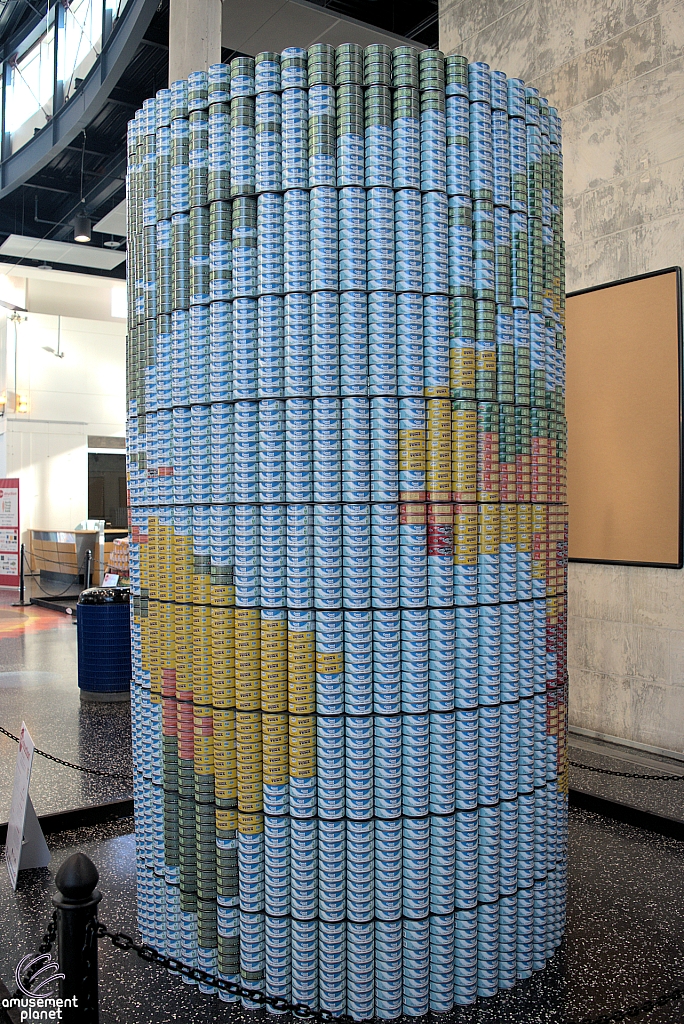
[(103, 629)]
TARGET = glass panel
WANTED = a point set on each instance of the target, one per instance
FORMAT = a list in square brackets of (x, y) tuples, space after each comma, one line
[(29, 98), (80, 42), (29, 92), (116, 7)]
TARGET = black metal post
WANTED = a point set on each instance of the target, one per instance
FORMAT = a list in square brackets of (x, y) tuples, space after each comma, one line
[(22, 582), (76, 903), (88, 570)]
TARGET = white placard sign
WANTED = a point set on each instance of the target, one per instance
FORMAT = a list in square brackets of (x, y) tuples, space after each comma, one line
[(9, 533), (26, 846)]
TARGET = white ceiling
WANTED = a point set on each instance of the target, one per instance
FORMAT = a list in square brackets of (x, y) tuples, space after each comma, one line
[(114, 223), (64, 277), (274, 24), (60, 293), (78, 255)]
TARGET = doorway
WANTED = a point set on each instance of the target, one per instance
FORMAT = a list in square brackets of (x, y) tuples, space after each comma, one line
[(107, 489)]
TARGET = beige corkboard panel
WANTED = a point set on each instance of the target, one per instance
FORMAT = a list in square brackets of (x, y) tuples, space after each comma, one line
[(624, 421)]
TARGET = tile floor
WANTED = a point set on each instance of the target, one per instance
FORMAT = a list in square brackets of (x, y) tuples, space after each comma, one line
[(38, 685)]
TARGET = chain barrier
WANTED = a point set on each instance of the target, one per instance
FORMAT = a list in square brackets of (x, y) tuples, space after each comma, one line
[(121, 940), (68, 764), (35, 576), (129, 777), (124, 942), (45, 947), (50, 934), (626, 775)]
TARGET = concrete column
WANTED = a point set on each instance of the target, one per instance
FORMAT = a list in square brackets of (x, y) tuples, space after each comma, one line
[(194, 36)]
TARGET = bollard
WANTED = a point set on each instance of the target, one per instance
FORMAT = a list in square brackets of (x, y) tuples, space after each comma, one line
[(22, 579), (76, 904), (21, 575)]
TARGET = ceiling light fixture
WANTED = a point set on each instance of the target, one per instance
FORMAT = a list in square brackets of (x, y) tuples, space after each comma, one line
[(82, 226), (12, 306), (58, 351), (82, 231)]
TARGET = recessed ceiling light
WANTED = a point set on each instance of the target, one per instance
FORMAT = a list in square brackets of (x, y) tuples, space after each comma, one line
[(111, 244)]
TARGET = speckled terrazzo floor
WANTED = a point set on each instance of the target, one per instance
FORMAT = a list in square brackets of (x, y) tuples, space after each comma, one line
[(38, 684), (625, 936)]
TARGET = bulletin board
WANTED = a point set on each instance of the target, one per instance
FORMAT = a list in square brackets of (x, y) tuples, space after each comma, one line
[(624, 405)]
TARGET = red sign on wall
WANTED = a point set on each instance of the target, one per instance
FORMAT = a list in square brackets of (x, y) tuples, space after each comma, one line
[(9, 533)]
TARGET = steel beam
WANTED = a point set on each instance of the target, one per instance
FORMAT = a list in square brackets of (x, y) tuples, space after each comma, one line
[(86, 103)]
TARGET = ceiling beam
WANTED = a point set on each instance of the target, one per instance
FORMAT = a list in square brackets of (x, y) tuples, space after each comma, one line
[(154, 45), (273, 24), (122, 103), (96, 195), (74, 147)]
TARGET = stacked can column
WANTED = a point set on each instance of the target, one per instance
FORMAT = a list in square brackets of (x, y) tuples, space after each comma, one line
[(346, 452)]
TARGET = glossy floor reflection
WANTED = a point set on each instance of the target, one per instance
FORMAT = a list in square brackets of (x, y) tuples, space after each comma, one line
[(38, 685), (624, 944)]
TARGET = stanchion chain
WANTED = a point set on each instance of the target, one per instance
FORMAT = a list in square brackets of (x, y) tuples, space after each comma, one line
[(45, 946), (50, 934), (69, 764), (626, 775), (121, 940), (151, 956), (48, 593)]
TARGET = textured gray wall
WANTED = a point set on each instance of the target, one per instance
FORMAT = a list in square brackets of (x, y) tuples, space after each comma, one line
[(615, 70)]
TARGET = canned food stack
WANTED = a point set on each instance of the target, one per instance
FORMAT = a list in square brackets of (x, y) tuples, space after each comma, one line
[(346, 458)]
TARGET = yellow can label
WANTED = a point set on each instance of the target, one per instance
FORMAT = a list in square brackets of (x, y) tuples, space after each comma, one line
[(274, 724), (272, 646), (326, 658), (297, 646), (300, 680), (273, 753)]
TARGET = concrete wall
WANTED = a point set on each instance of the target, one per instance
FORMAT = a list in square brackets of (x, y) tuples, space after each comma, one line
[(615, 70)]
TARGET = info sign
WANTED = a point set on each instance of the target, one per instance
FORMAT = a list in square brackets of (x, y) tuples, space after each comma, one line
[(9, 533)]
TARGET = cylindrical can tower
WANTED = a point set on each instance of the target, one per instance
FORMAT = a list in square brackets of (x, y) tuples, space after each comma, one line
[(346, 465)]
